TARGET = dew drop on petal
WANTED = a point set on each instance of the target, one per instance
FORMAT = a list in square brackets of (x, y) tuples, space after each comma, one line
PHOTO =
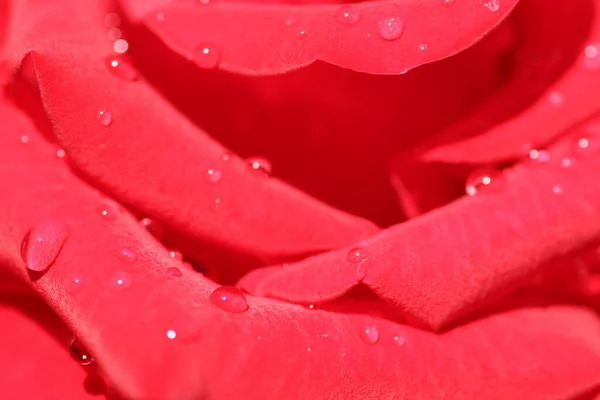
[(203, 2), (225, 157), (583, 143), (127, 254), (448, 2), (60, 153), (73, 285), (539, 155), (423, 47), (120, 280), (348, 15), (121, 67), (230, 299), (356, 255), (105, 118), (566, 162), (481, 179), (591, 59), (390, 28), (261, 165), (369, 334), (120, 46), (399, 340), (207, 56), (42, 244), (313, 307), (217, 202), (301, 34), (153, 227), (171, 334), (557, 189), (24, 139), (176, 255), (78, 353), (107, 211), (555, 98), (213, 175), (174, 271), (492, 5)]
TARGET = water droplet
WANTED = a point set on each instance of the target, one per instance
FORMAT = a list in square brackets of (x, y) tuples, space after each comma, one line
[(120, 46), (308, 349), (121, 280), (356, 255), (492, 5), (204, 2), (174, 271), (261, 165), (120, 66), (127, 254), (480, 179), (591, 59), (555, 98), (42, 243), (399, 340), (539, 155), (301, 34), (104, 118), (591, 51), (114, 34), (112, 20), (447, 2), (60, 153), (566, 162), (225, 157), (73, 285), (348, 15), (78, 353), (153, 227), (213, 175), (423, 47), (390, 28), (230, 299), (369, 334), (207, 56), (107, 211), (171, 334), (176, 255), (217, 202), (557, 190), (24, 139), (583, 143), (313, 306)]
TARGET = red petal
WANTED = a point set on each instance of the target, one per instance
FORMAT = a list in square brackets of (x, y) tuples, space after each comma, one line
[(272, 39), (447, 263)]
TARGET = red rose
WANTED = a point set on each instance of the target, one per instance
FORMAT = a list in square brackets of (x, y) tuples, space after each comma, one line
[(136, 161)]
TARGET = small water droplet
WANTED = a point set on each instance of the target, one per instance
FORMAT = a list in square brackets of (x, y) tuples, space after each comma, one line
[(308, 349), (313, 306), (591, 59), (583, 143), (348, 15), (121, 280), (539, 155), (557, 190), (261, 165), (60, 153), (590, 51), (217, 202), (423, 47), (174, 271), (176, 255), (399, 340), (555, 98), (213, 175), (127, 254), (204, 2), (171, 334), (120, 46), (225, 157), (104, 118), (566, 162), (447, 2), (24, 139), (42, 244), (230, 299), (369, 334), (153, 227), (120, 66), (73, 285), (481, 179), (114, 34), (390, 28), (492, 5), (301, 34), (207, 56), (107, 211), (78, 353)]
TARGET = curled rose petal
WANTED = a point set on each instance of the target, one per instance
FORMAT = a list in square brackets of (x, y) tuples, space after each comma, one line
[(391, 37)]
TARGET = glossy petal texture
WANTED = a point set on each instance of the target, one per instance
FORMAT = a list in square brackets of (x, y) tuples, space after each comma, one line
[(272, 39)]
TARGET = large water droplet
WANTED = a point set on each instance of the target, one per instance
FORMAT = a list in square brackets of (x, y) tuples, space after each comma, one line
[(207, 56), (121, 67), (492, 5), (120, 46), (174, 271), (60, 153), (121, 280), (356, 255), (369, 334), (153, 227), (261, 165), (213, 175), (348, 15), (390, 28), (171, 334), (481, 179), (105, 118), (78, 353), (42, 244), (107, 211), (230, 299)]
